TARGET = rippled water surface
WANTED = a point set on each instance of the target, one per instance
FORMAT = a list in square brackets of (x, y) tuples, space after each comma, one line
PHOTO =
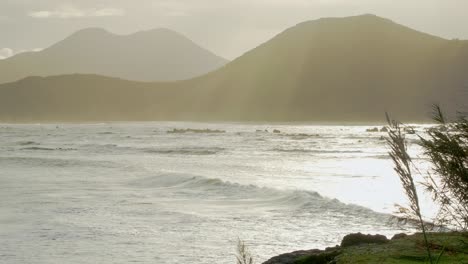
[(133, 193)]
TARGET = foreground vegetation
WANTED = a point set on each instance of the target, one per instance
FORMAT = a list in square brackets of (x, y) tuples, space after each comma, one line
[(446, 148), (450, 248)]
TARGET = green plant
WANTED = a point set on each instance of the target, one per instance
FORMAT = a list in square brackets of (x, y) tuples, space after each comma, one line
[(447, 148), (403, 164), (244, 256)]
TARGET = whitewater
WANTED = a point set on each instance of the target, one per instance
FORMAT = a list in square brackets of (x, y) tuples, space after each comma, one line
[(134, 193)]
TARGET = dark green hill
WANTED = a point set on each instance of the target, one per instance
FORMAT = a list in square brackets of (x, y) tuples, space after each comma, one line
[(345, 68), (332, 69)]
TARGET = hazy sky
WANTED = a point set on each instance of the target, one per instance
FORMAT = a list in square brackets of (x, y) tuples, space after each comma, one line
[(226, 27)]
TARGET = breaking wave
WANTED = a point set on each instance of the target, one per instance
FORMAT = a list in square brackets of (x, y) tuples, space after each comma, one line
[(27, 143), (213, 189), (318, 151), (48, 149), (186, 151), (55, 162)]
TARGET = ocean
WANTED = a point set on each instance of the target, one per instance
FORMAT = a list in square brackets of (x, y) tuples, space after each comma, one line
[(134, 193)]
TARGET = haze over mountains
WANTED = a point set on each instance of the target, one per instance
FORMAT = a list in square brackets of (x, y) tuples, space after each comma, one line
[(154, 55), (332, 69)]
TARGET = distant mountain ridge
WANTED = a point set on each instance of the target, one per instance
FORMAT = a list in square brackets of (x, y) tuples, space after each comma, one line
[(333, 69), (154, 55)]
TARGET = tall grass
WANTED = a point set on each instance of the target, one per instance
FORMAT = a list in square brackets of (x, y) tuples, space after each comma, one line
[(447, 148), (243, 256), (403, 164)]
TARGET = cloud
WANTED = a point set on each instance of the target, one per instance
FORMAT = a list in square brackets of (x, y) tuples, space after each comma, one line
[(5, 53), (27, 50), (73, 12), (108, 12), (172, 8)]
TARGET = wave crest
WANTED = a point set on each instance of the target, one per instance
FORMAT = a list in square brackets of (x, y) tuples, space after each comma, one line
[(217, 190)]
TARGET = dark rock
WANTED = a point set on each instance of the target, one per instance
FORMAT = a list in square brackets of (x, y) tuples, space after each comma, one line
[(384, 129), (410, 130), (399, 236), (375, 129), (329, 255), (313, 256), (276, 131), (301, 135), (358, 239)]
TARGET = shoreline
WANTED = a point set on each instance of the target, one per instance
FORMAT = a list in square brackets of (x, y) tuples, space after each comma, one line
[(452, 247)]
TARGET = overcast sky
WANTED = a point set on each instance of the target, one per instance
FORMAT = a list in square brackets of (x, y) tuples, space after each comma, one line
[(227, 27)]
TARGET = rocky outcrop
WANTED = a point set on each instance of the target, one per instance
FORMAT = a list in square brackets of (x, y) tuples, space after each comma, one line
[(399, 236), (327, 256), (370, 249), (375, 129), (311, 256), (358, 239)]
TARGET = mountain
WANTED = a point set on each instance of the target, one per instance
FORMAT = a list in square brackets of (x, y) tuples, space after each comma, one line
[(155, 55), (332, 69)]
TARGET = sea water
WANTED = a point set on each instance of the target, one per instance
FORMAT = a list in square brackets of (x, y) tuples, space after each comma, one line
[(134, 193)]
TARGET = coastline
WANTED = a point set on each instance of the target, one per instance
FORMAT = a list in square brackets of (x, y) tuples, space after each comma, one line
[(452, 247)]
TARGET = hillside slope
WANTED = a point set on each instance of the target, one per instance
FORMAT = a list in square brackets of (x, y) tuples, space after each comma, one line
[(344, 68), (155, 55), (333, 69)]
